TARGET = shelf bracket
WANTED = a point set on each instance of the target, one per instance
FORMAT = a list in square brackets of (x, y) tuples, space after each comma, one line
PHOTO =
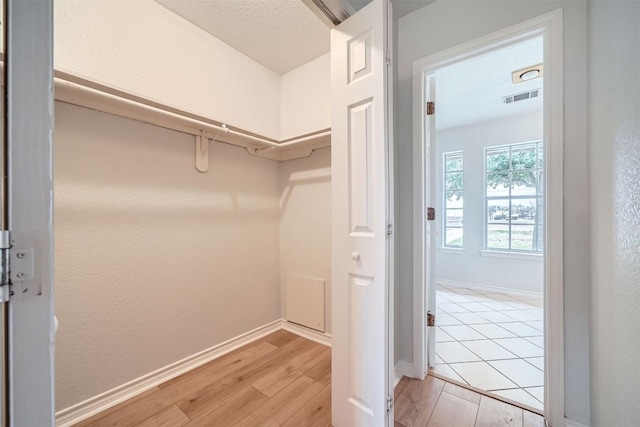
[(202, 157), (203, 144)]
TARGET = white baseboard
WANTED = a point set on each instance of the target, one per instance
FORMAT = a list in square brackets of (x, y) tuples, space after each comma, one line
[(402, 369), (498, 289), (571, 423), (101, 402), (310, 334)]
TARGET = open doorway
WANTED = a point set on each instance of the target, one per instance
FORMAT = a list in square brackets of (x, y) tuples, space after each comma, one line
[(489, 217), (488, 171)]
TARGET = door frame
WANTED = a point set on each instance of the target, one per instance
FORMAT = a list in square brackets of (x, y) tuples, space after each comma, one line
[(550, 27), (29, 133), (391, 236)]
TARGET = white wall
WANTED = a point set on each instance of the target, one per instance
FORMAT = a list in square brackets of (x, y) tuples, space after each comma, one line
[(305, 184), (468, 265), (142, 48), (445, 24), (614, 172), (305, 221), (154, 261), (306, 98)]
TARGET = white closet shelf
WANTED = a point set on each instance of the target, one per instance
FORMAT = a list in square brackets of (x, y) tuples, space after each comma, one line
[(85, 93)]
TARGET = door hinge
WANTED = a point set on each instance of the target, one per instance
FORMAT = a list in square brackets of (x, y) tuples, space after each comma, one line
[(389, 230), (5, 254), (431, 214), (430, 108), (387, 57), (431, 319), (389, 403), (17, 267)]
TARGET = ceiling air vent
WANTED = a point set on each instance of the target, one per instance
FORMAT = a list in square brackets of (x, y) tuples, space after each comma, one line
[(521, 96)]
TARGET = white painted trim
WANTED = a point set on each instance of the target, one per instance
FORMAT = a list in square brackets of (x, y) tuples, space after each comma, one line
[(554, 217), (452, 251), (571, 423), (482, 287), (550, 26), (83, 410), (27, 207), (401, 369), (513, 255), (319, 337), (75, 90)]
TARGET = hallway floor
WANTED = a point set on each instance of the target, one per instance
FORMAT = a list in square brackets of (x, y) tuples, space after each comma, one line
[(491, 341), (433, 402)]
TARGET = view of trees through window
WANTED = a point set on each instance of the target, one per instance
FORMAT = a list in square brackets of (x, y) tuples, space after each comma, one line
[(453, 200), (514, 197)]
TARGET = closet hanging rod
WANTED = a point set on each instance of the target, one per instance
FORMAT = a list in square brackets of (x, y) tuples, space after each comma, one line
[(77, 91), (85, 96), (298, 140), (212, 140)]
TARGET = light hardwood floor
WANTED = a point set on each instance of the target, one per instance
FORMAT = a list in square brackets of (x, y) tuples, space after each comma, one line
[(433, 402), (279, 380), (285, 380)]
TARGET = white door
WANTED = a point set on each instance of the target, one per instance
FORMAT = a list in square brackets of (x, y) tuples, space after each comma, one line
[(430, 222), (360, 249), (27, 211)]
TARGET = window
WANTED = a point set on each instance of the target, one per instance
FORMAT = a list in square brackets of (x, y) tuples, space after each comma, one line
[(453, 200), (514, 197)]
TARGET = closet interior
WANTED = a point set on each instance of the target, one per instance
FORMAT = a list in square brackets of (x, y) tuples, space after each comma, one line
[(192, 189)]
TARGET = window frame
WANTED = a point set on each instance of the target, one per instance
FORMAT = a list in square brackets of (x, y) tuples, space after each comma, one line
[(539, 197), (443, 242)]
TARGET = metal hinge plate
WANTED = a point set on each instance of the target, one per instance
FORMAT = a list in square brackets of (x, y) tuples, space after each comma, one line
[(430, 108), (17, 267), (389, 403), (5, 282), (387, 57), (389, 230), (21, 261), (431, 319), (431, 214)]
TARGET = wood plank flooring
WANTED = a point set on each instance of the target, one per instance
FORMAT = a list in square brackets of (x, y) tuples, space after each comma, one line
[(433, 402), (279, 380), (285, 380)]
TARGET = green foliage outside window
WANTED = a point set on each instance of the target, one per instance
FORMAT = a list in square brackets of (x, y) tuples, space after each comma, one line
[(521, 164), (514, 197), (453, 176)]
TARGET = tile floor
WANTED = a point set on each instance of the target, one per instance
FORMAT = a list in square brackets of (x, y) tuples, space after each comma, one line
[(492, 341)]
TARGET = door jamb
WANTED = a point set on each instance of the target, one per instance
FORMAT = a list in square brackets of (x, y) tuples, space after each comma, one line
[(550, 27), (30, 112), (389, 22)]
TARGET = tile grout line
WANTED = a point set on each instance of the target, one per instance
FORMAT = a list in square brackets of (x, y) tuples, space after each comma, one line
[(493, 340)]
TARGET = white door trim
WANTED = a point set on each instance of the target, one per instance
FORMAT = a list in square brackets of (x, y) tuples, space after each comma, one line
[(550, 26), (30, 208)]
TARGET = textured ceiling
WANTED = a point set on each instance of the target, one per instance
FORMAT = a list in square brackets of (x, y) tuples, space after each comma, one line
[(471, 91), (279, 34)]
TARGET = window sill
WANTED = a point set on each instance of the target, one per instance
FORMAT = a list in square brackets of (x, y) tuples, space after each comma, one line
[(460, 251), (513, 255)]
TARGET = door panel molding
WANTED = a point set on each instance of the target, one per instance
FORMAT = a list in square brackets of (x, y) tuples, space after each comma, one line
[(360, 203)]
